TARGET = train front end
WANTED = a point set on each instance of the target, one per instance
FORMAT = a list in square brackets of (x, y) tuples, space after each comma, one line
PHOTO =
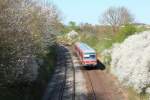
[(86, 54), (89, 59)]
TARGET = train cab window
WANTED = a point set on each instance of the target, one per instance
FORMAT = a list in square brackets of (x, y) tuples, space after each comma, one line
[(86, 56), (90, 56)]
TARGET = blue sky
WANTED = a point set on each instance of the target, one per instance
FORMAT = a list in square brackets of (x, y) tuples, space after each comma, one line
[(82, 11)]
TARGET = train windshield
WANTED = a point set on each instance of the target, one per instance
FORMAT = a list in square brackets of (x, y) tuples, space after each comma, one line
[(90, 56)]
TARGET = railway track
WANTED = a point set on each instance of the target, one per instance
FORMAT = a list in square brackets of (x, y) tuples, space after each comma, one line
[(61, 90), (70, 66), (66, 85), (62, 83), (92, 95), (103, 86)]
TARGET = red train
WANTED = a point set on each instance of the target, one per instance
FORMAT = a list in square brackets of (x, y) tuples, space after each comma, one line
[(86, 54)]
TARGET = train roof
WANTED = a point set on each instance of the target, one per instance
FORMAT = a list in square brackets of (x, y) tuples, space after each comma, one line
[(85, 48)]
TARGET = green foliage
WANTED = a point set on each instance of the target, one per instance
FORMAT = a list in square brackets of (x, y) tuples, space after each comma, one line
[(133, 95), (99, 43), (103, 41), (72, 24), (89, 39), (124, 32), (128, 29), (65, 29)]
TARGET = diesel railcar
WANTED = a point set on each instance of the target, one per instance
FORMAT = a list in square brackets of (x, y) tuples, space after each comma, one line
[(86, 54)]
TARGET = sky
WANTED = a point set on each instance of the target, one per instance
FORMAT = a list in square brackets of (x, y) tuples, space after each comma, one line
[(89, 11)]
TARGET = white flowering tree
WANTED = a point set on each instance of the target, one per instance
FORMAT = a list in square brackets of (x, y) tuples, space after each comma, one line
[(131, 61), (72, 34), (26, 31)]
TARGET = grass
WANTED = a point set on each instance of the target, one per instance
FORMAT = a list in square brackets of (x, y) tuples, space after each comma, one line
[(133, 95), (34, 90), (104, 41), (99, 43)]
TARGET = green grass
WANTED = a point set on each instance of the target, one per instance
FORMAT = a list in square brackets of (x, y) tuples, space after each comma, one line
[(99, 43), (133, 95), (102, 41)]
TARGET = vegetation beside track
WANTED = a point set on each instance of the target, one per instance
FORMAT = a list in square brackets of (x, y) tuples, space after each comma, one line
[(33, 90), (133, 95), (27, 55)]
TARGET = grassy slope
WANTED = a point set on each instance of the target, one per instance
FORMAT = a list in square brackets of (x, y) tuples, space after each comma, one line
[(98, 42), (102, 41), (134, 96)]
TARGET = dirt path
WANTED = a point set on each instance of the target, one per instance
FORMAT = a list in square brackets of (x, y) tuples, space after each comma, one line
[(105, 86)]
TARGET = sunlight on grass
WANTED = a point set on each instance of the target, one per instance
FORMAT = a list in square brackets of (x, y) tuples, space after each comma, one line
[(132, 95)]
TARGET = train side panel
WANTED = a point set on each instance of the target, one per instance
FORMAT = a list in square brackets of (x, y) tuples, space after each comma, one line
[(79, 54)]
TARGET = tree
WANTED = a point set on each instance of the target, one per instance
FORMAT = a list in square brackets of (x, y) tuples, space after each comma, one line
[(26, 32), (116, 17), (72, 26), (130, 61), (88, 28)]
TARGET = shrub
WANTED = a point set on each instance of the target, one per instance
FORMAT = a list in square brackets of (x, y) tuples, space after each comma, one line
[(131, 61), (124, 32), (26, 32)]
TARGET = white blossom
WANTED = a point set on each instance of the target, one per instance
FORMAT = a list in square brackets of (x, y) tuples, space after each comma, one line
[(26, 31), (72, 34), (131, 61)]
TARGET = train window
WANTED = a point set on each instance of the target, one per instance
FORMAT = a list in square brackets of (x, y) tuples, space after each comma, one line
[(90, 56), (86, 57)]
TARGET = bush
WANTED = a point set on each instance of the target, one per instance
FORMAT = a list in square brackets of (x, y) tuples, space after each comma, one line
[(106, 58), (26, 33), (124, 32), (131, 61), (98, 43), (106, 41)]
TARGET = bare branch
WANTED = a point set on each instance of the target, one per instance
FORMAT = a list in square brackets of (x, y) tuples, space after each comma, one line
[(116, 17)]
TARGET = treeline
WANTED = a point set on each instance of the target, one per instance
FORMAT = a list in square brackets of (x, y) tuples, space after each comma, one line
[(116, 24), (27, 30)]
